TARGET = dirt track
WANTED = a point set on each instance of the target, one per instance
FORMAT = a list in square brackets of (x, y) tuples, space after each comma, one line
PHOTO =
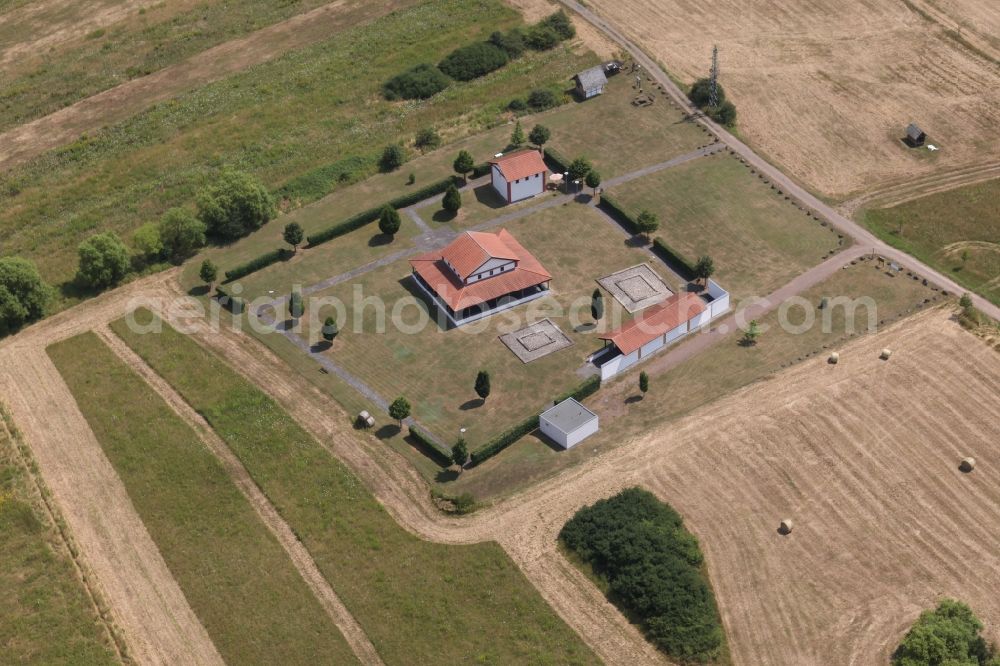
[(825, 89), (26, 141)]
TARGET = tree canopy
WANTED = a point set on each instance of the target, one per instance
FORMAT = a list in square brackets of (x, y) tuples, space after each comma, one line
[(579, 168), (463, 163), (392, 158), (946, 636), (472, 61), (653, 567), (235, 205), (647, 222), (181, 234), (23, 294), (539, 135), (701, 93), (420, 82), (103, 260), (388, 221), (208, 272), (293, 234), (483, 384), (399, 409), (452, 200)]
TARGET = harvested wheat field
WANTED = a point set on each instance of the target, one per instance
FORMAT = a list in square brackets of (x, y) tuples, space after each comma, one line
[(826, 89)]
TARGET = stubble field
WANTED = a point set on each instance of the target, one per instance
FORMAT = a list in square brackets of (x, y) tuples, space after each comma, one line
[(826, 89)]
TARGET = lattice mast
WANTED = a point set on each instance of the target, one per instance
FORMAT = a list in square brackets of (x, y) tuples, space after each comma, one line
[(713, 89)]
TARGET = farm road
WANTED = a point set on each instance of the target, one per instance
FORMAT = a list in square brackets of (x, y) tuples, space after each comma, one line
[(787, 185)]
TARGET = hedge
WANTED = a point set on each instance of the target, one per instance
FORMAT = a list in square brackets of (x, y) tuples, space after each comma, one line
[(481, 170), (258, 263), (232, 303), (503, 440), (589, 387), (473, 61), (674, 258), (368, 216), (432, 446), (557, 159)]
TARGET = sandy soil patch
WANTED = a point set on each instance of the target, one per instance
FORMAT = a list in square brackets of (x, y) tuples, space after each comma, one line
[(826, 90)]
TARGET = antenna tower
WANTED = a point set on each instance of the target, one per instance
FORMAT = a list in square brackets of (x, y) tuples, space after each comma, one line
[(713, 90)]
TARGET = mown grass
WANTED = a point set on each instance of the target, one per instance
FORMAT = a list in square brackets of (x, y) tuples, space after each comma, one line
[(138, 44), (418, 602), (940, 229), (710, 375), (714, 206), (236, 576), (281, 119), (47, 617)]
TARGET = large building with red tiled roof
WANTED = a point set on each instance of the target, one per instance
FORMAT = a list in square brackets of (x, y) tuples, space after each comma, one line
[(518, 176), (479, 274)]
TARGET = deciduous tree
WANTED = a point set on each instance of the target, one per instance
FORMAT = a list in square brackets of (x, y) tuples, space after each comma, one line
[(208, 272), (388, 221), (452, 201), (235, 205), (103, 260), (293, 235), (400, 409), (539, 135), (23, 294), (464, 164)]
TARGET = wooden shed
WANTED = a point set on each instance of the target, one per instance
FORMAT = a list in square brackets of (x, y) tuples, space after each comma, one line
[(915, 136), (591, 82)]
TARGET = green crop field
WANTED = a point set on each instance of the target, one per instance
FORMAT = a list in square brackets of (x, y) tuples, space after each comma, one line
[(715, 206), (47, 617), (956, 232), (236, 576), (708, 376), (417, 601), (309, 108)]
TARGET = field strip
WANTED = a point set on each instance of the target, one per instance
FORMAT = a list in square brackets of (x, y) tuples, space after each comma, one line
[(300, 557), (56, 524), (111, 106), (147, 603), (943, 181)]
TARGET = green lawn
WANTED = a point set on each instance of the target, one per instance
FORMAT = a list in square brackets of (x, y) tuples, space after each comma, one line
[(715, 206), (940, 229), (236, 576), (708, 376), (418, 602), (47, 617), (139, 43), (435, 369), (308, 108)]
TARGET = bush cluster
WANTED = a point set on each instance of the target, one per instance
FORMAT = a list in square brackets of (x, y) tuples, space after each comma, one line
[(723, 113), (653, 567), (317, 183), (23, 294), (478, 59), (949, 634), (254, 265)]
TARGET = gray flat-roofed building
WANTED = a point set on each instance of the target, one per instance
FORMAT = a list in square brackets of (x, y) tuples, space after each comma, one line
[(568, 423)]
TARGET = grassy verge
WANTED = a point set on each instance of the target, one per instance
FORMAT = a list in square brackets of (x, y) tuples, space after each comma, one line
[(233, 572), (47, 617), (957, 232), (140, 43), (279, 120), (708, 376), (418, 602)]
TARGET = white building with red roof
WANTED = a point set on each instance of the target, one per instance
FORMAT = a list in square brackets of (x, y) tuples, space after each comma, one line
[(657, 327), (479, 274), (518, 176)]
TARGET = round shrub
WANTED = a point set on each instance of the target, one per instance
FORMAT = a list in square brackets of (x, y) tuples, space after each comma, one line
[(471, 62), (103, 260), (542, 38), (420, 82), (701, 93), (542, 99), (23, 294), (235, 205)]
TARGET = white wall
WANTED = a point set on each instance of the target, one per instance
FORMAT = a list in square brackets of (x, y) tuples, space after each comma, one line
[(527, 187), (496, 265), (499, 184), (720, 296), (651, 347)]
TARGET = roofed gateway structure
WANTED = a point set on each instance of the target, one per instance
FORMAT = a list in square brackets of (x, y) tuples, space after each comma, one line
[(519, 175), (479, 274)]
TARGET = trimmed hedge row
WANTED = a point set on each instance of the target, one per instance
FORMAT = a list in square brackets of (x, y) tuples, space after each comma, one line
[(480, 170), (508, 437), (368, 216), (503, 440), (234, 304), (677, 260), (425, 439), (254, 265), (555, 158)]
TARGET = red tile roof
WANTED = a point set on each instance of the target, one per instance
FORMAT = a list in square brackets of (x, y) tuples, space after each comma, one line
[(527, 273), (656, 320), (473, 249), (522, 164)]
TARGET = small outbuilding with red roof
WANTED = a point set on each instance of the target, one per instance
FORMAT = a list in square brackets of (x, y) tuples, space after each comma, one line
[(518, 176), (479, 274)]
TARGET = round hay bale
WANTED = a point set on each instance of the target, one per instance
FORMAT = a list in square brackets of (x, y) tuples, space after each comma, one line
[(834, 358), (786, 526), (967, 465), (886, 353), (363, 416)]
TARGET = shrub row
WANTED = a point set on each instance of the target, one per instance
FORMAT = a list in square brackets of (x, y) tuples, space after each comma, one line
[(254, 265), (556, 159), (440, 456), (677, 260), (234, 304), (368, 216), (589, 387), (503, 440), (480, 170), (654, 569), (317, 183), (472, 61)]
